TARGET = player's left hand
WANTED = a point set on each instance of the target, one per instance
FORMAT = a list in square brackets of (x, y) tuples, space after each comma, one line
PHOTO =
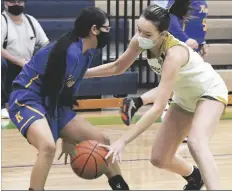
[(67, 149), (116, 149)]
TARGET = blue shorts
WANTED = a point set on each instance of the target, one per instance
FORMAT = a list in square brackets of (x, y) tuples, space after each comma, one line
[(26, 106)]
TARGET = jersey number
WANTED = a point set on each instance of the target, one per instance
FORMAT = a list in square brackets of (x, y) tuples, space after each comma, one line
[(204, 25)]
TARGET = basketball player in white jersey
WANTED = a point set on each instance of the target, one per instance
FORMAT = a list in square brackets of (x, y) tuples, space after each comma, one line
[(200, 97)]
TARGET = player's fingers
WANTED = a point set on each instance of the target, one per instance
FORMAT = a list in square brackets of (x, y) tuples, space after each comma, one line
[(108, 154), (120, 157), (114, 157), (60, 155), (104, 146)]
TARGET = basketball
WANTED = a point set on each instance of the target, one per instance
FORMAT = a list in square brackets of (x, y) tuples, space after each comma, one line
[(88, 160)]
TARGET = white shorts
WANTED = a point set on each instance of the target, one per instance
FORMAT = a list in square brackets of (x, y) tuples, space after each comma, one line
[(217, 92)]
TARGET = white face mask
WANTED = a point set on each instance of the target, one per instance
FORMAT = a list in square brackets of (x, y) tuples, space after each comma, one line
[(146, 43)]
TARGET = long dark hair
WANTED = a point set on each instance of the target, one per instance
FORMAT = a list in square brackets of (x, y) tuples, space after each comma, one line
[(54, 77), (160, 17)]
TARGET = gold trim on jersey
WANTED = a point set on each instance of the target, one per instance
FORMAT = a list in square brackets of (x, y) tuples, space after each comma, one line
[(31, 81), (169, 42), (156, 63), (21, 128), (29, 107), (218, 98), (221, 99)]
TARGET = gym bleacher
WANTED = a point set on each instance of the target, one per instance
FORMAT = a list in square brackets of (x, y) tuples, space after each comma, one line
[(219, 35), (57, 16)]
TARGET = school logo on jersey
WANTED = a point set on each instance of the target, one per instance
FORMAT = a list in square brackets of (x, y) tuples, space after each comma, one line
[(156, 65), (70, 81)]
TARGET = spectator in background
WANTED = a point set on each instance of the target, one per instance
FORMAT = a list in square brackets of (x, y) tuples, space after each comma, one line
[(20, 34), (193, 31)]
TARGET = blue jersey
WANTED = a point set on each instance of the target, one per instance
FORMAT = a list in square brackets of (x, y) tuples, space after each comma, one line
[(195, 28), (76, 65), (27, 105)]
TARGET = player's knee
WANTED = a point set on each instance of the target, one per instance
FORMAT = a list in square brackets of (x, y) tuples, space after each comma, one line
[(157, 162), (48, 149), (196, 143)]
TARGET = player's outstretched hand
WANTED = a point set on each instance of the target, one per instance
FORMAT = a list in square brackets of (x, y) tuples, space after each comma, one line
[(115, 150), (67, 149)]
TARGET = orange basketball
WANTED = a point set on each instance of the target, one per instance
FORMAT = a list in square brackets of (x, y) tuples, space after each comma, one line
[(88, 160)]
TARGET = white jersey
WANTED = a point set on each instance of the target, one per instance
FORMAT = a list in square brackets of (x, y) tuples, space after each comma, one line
[(196, 80)]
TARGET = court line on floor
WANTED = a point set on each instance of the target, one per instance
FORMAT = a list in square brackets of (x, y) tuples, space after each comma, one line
[(128, 160)]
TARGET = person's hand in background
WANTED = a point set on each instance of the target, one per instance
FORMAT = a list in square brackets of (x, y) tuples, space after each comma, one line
[(204, 51), (22, 62), (192, 43)]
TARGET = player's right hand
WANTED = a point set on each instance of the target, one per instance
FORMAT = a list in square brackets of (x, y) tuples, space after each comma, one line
[(115, 150), (128, 110), (67, 149)]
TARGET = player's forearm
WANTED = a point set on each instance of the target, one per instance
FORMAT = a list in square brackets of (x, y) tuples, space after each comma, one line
[(149, 97), (144, 123), (11, 58), (102, 71)]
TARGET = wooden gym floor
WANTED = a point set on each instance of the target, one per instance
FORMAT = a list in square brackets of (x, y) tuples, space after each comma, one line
[(18, 158)]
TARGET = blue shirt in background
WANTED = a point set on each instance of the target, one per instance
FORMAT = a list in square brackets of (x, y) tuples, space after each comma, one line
[(195, 28)]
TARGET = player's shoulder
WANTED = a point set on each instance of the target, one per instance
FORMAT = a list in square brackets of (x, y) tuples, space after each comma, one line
[(174, 47), (74, 50), (170, 41)]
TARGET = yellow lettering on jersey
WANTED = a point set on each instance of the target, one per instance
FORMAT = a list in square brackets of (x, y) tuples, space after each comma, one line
[(204, 24), (203, 9), (19, 118)]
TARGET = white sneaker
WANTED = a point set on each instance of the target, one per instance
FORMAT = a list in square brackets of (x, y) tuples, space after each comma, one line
[(4, 114)]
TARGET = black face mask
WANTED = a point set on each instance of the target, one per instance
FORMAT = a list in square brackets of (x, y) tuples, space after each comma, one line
[(102, 39), (15, 10)]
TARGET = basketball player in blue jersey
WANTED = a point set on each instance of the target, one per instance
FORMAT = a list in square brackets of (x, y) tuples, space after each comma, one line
[(199, 98), (41, 102), (193, 31)]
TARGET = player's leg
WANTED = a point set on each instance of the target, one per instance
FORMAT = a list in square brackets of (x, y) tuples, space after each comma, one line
[(163, 115), (30, 121), (205, 120), (173, 130), (77, 130), (40, 136)]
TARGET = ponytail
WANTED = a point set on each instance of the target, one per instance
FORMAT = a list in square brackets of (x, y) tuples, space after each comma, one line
[(54, 77), (55, 71), (180, 8)]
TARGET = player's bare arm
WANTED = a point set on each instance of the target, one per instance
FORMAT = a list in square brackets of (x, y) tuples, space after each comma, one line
[(120, 65), (176, 57)]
